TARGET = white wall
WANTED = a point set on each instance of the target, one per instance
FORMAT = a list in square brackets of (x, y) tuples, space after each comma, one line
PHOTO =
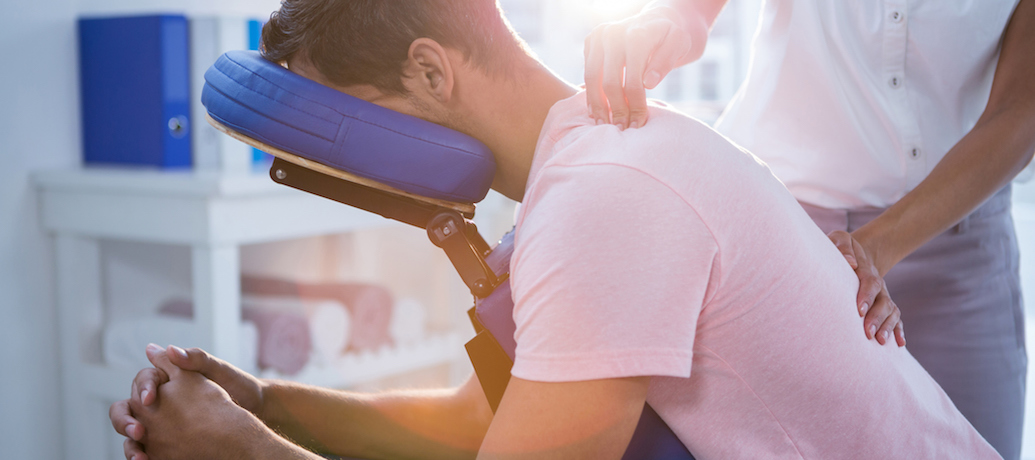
[(39, 128)]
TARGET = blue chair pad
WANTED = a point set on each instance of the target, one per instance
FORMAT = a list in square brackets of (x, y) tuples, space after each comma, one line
[(269, 103)]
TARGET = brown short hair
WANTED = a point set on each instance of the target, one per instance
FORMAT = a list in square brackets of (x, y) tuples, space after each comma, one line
[(354, 42)]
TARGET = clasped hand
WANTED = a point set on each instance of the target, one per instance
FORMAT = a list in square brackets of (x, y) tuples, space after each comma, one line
[(186, 407)]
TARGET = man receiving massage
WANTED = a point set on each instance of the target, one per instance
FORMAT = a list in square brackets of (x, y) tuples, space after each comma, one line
[(660, 264)]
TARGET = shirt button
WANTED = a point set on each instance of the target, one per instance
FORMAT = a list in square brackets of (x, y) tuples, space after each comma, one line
[(895, 82), (915, 153), (896, 17)]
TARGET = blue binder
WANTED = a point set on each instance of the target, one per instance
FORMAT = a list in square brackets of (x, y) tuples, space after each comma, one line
[(135, 85)]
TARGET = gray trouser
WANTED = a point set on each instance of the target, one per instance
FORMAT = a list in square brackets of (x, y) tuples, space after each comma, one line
[(961, 306)]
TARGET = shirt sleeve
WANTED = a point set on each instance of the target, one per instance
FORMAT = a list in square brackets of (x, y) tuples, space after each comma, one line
[(610, 272)]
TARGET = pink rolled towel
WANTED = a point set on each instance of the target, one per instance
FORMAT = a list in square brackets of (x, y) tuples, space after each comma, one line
[(284, 341), (369, 305), (284, 337), (178, 308), (371, 309)]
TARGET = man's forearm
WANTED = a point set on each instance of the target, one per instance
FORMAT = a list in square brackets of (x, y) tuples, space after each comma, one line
[(984, 161), (258, 442), (400, 424)]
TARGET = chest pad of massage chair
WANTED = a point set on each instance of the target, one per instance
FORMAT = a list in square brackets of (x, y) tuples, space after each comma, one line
[(343, 148)]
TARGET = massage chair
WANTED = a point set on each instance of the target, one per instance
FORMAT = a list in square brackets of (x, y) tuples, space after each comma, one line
[(330, 144)]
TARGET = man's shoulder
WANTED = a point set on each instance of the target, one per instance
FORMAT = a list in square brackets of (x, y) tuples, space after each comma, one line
[(672, 162), (598, 183), (670, 143)]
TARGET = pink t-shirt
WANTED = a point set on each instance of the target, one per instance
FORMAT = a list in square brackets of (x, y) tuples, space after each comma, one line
[(669, 252)]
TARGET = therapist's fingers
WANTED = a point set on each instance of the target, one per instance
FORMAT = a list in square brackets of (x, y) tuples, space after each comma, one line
[(883, 318), (624, 59), (843, 241), (870, 282), (614, 74), (870, 286), (670, 50), (595, 97), (874, 316), (639, 45), (887, 328), (892, 326)]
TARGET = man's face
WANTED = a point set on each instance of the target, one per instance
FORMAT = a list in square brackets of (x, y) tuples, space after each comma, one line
[(412, 106)]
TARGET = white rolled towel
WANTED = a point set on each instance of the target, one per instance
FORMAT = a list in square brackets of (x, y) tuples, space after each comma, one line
[(125, 340), (249, 348), (330, 326), (409, 321)]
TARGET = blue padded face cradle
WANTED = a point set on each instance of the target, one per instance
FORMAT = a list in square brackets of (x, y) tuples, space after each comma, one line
[(271, 104)]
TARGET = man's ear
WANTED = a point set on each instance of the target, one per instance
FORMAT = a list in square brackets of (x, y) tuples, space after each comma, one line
[(428, 70)]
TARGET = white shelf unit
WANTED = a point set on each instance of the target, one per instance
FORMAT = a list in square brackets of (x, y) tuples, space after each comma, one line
[(213, 215)]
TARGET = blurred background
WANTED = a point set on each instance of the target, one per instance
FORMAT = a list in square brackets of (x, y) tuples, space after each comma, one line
[(97, 261)]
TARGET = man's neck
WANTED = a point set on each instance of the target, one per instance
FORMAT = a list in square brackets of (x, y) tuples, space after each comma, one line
[(508, 117)]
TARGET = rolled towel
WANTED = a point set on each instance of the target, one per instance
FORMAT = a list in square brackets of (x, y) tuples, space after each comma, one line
[(371, 309), (329, 321), (369, 306), (249, 348), (179, 308), (284, 339), (330, 326), (409, 318), (124, 341)]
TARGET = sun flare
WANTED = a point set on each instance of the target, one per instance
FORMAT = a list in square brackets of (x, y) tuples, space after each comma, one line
[(612, 9)]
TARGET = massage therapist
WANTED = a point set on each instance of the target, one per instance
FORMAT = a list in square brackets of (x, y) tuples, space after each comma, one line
[(898, 125)]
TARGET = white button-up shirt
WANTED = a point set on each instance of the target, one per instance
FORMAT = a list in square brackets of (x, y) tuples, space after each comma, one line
[(853, 102)]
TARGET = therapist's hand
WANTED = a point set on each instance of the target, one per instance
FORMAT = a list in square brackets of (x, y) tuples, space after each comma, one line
[(625, 58), (243, 388), (882, 318)]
